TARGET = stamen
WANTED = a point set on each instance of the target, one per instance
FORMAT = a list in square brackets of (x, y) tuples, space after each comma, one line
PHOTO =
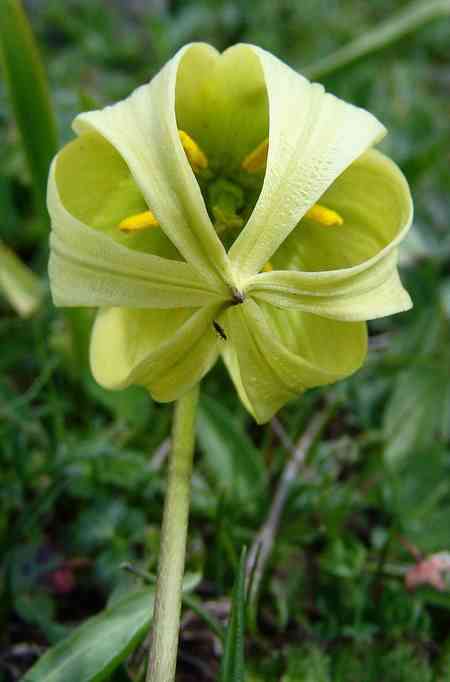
[(325, 216), (268, 267), (257, 159), (140, 221), (195, 155)]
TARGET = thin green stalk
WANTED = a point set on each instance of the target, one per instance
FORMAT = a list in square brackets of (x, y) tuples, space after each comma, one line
[(389, 31), (187, 599), (166, 620)]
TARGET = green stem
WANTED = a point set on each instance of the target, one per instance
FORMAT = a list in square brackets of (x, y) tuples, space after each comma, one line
[(166, 620), (187, 599), (389, 31)]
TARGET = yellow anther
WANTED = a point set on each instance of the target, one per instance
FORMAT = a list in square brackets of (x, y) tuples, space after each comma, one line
[(325, 216), (257, 159), (196, 157), (267, 267), (140, 221)]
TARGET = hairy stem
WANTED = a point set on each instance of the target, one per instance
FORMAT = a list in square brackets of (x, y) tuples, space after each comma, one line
[(166, 621)]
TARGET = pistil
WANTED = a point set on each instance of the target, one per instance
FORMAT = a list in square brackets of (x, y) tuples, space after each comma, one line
[(225, 201)]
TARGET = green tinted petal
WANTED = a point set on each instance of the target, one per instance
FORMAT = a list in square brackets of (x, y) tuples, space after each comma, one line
[(88, 268), (274, 355), (96, 187), (168, 352), (374, 199), (143, 129), (375, 292), (313, 137), (221, 101)]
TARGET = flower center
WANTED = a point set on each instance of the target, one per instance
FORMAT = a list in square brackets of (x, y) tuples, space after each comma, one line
[(229, 200)]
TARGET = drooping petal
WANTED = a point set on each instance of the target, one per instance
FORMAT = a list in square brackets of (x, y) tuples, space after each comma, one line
[(274, 355), (168, 352), (313, 137), (88, 268), (347, 272), (143, 129), (221, 100)]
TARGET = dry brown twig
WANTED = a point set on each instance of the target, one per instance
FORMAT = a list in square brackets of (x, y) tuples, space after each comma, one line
[(263, 543)]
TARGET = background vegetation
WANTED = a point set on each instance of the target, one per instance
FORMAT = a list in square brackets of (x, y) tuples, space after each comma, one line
[(83, 471)]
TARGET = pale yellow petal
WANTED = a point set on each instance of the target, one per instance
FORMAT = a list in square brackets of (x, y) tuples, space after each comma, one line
[(144, 130), (96, 187), (273, 356), (88, 268), (348, 272), (168, 352), (221, 100), (313, 137)]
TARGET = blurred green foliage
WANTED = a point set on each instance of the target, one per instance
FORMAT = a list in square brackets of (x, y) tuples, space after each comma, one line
[(82, 470)]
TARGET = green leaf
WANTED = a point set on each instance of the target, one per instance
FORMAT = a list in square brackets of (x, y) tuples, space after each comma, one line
[(419, 494), (445, 296), (232, 668), (29, 93), (418, 412), (230, 457), (133, 404), (20, 286), (97, 647)]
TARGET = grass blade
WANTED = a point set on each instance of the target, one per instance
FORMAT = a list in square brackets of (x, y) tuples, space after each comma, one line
[(233, 664), (29, 93), (389, 31)]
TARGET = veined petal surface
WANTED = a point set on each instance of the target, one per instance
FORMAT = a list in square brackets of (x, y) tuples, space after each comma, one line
[(313, 137), (274, 355), (221, 101), (143, 129), (346, 272), (366, 295), (89, 268), (168, 352)]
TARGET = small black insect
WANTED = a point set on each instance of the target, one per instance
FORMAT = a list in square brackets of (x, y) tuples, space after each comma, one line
[(219, 330)]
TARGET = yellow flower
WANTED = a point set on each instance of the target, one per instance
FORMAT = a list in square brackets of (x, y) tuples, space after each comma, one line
[(228, 207)]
